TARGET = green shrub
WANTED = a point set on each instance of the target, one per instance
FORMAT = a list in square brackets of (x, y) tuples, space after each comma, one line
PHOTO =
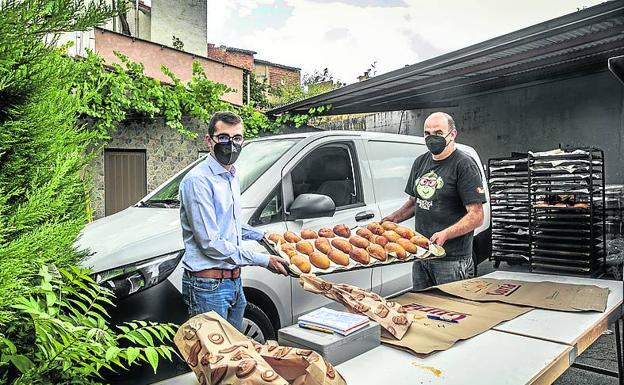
[(71, 341)]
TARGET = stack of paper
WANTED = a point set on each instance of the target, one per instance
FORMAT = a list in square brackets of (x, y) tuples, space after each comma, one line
[(329, 320)]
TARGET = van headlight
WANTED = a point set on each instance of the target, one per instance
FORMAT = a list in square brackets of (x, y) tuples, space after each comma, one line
[(130, 279)]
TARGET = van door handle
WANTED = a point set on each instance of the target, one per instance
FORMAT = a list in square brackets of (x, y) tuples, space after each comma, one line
[(364, 215)]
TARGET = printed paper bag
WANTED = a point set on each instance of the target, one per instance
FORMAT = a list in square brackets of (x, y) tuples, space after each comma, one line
[(439, 321), (387, 314), (544, 295), (219, 354)]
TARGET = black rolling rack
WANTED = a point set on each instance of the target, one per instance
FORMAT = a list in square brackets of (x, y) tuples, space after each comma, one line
[(509, 220), (567, 230)]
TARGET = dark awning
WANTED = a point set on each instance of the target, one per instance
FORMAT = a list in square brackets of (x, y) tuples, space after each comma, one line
[(576, 43)]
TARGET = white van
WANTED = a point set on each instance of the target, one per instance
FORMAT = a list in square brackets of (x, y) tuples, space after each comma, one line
[(137, 251)]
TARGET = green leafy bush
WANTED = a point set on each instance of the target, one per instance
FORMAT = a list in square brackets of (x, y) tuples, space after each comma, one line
[(44, 203), (71, 339), (110, 94)]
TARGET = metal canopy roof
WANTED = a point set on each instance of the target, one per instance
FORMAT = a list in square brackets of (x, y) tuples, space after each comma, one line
[(580, 42)]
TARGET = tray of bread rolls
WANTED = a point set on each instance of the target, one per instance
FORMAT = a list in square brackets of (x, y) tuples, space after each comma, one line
[(331, 250)]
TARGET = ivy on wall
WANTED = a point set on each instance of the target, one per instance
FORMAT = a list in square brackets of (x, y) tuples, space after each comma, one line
[(113, 93)]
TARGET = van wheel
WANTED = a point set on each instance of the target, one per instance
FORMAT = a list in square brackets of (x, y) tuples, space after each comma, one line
[(257, 325)]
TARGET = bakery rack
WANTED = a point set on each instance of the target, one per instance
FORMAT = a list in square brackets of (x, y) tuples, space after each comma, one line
[(567, 232), (509, 200)]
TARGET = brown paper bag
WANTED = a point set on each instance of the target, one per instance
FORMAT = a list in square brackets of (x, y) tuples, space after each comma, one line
[(387, 314), (544, 295), (438, 321), (220, 355)]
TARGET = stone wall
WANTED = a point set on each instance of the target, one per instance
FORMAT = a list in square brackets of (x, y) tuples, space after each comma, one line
[(167, 152)]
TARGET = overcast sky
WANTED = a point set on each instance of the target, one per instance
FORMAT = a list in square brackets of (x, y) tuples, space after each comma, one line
[(347, 36)]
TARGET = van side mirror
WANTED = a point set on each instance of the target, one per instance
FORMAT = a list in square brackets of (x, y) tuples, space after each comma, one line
[(307, 206)]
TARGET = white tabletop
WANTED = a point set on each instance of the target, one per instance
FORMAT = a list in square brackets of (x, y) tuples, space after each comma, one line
[(491, 358), (578, 329), (536, 347)]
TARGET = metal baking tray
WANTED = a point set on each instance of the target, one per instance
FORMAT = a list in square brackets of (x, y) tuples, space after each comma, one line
[(571, 254), (434, 252), (559, 262), (539, 267)]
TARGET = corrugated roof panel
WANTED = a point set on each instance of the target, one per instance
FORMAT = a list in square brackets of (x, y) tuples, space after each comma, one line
[(548, 47)]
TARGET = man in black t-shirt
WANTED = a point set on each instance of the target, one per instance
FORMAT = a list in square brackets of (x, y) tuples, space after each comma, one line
[(446, 197)]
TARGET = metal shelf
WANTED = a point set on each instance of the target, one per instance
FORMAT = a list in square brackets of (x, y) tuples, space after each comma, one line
[(566, 238)]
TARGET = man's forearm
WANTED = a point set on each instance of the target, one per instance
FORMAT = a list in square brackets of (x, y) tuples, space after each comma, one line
[(466, 224), (404, 213)]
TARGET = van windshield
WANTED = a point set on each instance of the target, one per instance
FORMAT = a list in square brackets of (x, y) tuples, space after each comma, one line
[(254, 160)]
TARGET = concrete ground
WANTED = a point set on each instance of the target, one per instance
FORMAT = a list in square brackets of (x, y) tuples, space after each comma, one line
[(601, 353)]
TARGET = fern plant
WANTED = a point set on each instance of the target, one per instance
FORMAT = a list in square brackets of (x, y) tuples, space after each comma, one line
[(72, 341)]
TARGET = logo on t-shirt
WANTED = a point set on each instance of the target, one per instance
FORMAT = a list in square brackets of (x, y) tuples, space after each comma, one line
[(428, 184)]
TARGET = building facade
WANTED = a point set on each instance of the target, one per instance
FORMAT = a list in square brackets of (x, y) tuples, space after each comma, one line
[(276, 75), (143, 154)]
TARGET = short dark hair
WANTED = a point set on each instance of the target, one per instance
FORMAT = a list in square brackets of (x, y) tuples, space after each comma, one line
[(226, 117)]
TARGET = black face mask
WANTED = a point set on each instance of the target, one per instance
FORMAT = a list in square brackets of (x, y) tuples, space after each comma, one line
[(227, 153), (436, 143)]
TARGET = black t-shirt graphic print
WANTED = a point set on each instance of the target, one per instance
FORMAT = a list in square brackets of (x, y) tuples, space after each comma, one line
[(442, 189)]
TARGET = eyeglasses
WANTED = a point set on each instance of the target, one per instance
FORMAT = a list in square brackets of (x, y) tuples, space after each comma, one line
[(225, 139)]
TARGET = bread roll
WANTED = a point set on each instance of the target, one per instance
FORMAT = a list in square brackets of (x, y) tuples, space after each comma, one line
[(291, 237), (275, 238), (396, 249), (289, 249), (378, 239), (405, 232), (319, 260), (308, 234), (358, 241), (342, 230), (302, 263), (375, 228), (364, 233), (305, 247), (377, 252), (326, 233), (407, 245), (391, 235), (360, 255), (387, 225), (323, 245), (342, 245), (421, 241), (338, 257)]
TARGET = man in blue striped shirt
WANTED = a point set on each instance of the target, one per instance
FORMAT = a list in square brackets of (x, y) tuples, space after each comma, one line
[(210, 215)]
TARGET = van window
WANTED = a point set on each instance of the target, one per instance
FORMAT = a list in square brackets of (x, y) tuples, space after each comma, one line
[(271, 212), (391, 163), (329, 170), (254, 160)]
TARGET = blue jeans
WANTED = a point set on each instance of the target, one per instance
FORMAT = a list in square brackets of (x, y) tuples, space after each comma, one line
[(224, 296), (439, 271)]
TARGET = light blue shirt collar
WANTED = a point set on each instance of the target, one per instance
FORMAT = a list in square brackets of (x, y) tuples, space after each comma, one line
[(217, 168)]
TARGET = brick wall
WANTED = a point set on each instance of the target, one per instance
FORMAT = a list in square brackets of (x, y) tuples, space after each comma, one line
[(281, 76), (235, 58), (216, 53)]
